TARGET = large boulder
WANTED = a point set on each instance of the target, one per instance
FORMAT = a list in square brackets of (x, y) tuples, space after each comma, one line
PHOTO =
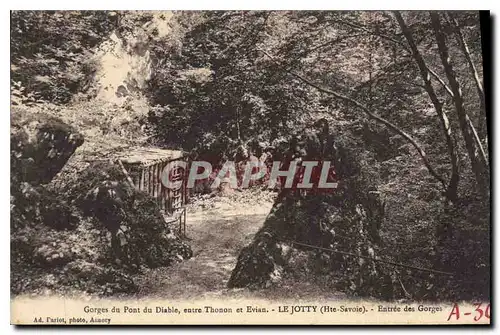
[(317, 226), (136, 226), (261, 263), (40, 146), (346, 219), (331, 221)]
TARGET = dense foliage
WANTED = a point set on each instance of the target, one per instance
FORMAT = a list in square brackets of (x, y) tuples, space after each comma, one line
[(415, 120), (51, 52), (403, 92), (242, 76)]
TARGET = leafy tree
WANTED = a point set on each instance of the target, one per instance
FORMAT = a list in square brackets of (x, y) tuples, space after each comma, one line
[(51, 51)]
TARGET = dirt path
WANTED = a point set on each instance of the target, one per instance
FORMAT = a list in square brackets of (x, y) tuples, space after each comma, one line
[(217, 236)]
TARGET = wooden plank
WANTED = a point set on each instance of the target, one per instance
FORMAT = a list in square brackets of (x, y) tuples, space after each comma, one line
[(164, 189), (184, 185), (154, 185), (139, 176), (146, 155), (137, 180), (161, 196), (146, 180), (184, 214), (143, 178), (150, 180), (180, 226), (170, 194), (158, 183), (165, 197)]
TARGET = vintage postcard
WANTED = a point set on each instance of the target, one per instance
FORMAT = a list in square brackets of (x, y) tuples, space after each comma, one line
[(250, 167)]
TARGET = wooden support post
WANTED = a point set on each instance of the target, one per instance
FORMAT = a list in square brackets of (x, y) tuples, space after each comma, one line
[(184, 222), (150, 179), (153, 191), (146, 179), (158, 183), (164, 191), (137, 180), (184, 184), (180, 225), (141, 183), (167, 200)]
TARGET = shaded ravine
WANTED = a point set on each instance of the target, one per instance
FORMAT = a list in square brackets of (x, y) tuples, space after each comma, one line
[(217, 237)]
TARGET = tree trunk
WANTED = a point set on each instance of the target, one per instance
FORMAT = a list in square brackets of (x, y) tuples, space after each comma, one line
[(478, 161), (479, 86), (451, 191)]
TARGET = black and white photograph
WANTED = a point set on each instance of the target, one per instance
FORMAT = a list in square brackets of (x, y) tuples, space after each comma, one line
[(321, 167)]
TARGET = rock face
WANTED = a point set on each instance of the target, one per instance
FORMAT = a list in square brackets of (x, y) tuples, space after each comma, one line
[(40, 146), (323, 220), (124, 58), (261, 263), (347, 219)]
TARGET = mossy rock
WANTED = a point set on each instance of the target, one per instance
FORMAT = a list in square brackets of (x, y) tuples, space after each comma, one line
[(40, 146)]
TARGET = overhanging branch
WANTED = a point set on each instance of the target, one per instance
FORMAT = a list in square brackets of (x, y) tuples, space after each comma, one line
[(400, 43), (375, 117)]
